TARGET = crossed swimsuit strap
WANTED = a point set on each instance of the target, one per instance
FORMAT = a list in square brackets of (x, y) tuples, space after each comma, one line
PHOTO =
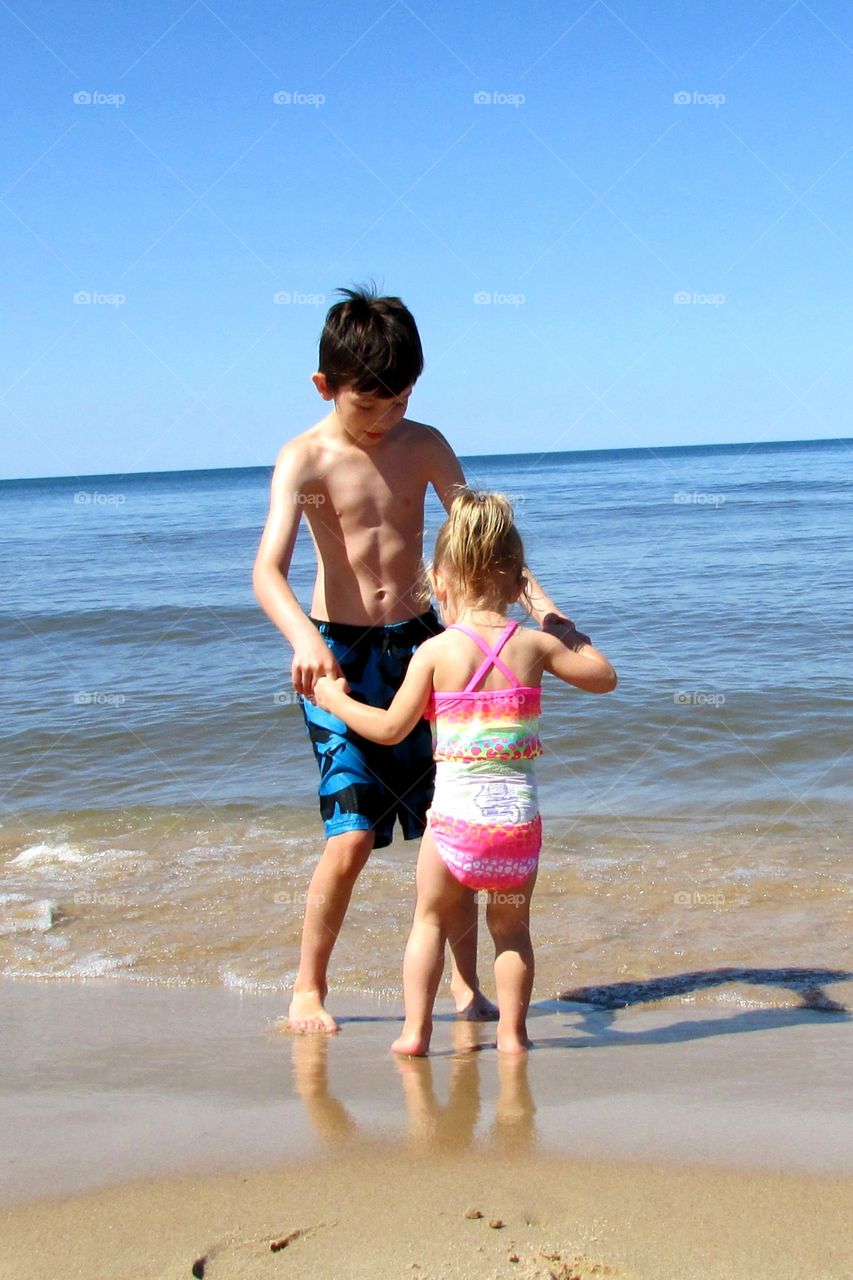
[(491, 659)]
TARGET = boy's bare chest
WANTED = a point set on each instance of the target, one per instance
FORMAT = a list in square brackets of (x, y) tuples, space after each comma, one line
[(368, 497)]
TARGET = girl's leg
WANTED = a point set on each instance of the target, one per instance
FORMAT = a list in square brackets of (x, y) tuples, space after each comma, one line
[(471, 1004), (439, 894), (508, 917)]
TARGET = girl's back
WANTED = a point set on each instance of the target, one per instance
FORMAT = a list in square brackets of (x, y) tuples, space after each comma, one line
[(493, 717), (485, 815), (458, 656)]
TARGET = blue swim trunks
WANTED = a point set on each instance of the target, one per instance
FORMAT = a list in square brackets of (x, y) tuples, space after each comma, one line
[(365, 786)]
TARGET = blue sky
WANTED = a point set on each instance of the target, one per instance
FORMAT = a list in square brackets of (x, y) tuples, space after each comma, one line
[(581, 201)]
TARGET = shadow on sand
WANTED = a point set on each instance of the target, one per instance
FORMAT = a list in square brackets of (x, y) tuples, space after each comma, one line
[(806, 983), (599, 1004)]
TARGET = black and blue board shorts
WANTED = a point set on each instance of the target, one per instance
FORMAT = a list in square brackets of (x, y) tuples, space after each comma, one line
[(365, 786)]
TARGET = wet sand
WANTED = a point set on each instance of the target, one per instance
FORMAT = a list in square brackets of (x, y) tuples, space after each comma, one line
[(150, 1127)]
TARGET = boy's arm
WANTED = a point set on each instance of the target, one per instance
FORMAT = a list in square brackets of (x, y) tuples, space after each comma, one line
[(445, 472), (539, 604), (387, 727), (311, 655)]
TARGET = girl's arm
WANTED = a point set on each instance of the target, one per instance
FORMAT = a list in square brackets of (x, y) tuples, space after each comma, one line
[(586, 667), (387, 727)]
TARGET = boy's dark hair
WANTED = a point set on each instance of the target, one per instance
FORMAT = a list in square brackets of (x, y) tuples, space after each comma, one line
[(371, 344)]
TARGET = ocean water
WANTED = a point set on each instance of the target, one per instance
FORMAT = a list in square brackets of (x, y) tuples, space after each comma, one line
[(157, 808)]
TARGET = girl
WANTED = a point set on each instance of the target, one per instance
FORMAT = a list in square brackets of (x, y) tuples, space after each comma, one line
[(484, 829)]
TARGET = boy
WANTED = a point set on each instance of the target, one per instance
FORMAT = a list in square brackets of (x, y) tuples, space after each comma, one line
[(360, 477)]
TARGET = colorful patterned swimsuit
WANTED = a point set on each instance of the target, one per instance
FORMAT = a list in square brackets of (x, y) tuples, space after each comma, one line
[(485, 815)]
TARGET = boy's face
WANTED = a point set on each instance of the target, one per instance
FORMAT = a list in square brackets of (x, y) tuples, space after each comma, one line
[(367, 418)]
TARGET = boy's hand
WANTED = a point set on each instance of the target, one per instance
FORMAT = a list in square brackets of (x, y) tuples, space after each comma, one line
[(564, 629), (312, 659), (326, 688)]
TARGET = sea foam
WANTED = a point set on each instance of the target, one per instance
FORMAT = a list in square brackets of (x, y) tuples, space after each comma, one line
[(20, 914)]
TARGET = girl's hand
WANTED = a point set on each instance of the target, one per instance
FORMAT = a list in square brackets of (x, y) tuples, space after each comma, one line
[(326, 689)]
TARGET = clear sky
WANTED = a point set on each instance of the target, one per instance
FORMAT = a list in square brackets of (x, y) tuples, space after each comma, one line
[(581, 200)]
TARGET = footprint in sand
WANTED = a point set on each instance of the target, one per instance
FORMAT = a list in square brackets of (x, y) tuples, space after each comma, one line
[(552, 1264), (561, 1265)]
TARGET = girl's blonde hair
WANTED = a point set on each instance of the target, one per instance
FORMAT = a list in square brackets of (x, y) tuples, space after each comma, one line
[(479, 550)]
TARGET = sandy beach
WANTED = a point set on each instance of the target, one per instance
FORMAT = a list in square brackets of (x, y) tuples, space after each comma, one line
[(153, 1130), (389, 1214)]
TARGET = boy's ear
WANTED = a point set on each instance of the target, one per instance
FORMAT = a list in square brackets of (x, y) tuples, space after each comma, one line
[(319, 380)]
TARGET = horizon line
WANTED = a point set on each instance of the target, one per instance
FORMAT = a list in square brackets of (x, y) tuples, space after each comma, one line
[(542, 453)]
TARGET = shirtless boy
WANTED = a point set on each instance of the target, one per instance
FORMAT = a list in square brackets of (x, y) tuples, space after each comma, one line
[(360, 478)]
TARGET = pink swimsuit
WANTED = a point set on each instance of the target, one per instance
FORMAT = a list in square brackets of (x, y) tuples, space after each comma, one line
[(485, 815)]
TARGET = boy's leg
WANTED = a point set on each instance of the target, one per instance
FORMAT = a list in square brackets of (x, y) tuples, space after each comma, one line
[(439, 894), (329, 894), (508, 918), (351, 801)]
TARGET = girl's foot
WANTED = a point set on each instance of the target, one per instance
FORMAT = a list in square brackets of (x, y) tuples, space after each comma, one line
[(413, 1044), (510, 1042)]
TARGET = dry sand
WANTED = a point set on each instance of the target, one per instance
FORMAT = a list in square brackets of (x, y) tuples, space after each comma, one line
[(392, 1214)]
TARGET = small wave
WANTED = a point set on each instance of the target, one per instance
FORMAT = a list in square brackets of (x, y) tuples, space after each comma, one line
[(46, 856), (236, 981), (115, 625), (41, 854), (97, 965)]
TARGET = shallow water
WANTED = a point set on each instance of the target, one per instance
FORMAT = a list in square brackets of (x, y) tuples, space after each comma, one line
[(158, 812), (169, 897)]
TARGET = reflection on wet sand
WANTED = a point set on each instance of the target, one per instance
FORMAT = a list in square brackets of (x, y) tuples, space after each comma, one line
[(442, 1127), (513, 1129), (329, 1118), (449, 1126)]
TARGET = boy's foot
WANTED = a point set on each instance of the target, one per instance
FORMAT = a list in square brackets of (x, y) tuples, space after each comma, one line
[(307, 1014), (474, 1007)]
